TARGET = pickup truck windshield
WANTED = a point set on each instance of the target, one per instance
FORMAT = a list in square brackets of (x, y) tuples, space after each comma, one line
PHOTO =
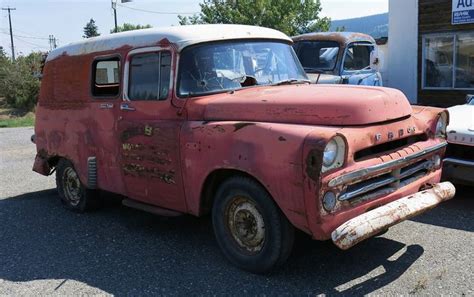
[(224, 66), (317, 56)]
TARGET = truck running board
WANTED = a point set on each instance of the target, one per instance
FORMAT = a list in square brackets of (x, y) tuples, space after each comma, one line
[(151, 208)]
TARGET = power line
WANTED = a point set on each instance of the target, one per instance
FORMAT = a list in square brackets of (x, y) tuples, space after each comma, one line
[(156, 12), (29, 37), (31, 43), (24, 32)]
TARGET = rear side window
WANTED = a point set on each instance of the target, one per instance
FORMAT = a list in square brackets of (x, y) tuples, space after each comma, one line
[(106, 77), (150, 76)]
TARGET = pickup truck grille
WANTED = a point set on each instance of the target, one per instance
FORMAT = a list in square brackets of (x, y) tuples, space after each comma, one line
[(388, 182), (387, 147)]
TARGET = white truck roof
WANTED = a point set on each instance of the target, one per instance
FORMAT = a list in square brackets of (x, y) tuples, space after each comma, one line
[(181, 36)]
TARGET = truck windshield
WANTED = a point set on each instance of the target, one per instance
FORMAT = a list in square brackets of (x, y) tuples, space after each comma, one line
[(224, 66), (317, 56)]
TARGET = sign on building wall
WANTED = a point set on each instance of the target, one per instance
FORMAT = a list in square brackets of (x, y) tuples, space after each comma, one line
[(463, 12)]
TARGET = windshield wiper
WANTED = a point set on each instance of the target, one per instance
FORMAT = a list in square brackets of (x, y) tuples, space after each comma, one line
[(292, 81)]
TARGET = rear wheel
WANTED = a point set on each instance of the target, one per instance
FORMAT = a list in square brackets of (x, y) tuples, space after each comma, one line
[(249, 227), (74, 195)]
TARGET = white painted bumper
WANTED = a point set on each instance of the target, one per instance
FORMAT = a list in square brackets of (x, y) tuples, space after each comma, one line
[(377, 220)]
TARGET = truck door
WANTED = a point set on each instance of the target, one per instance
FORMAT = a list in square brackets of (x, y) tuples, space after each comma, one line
[(101, 135), (149, 129)]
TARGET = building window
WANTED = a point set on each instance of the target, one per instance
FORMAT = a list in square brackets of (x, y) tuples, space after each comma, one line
[(150, 76), (465, 61), (448, 61), (106, 77)]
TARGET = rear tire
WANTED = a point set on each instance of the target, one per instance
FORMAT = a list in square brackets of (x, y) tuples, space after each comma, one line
[(249, 227), (74, 195)]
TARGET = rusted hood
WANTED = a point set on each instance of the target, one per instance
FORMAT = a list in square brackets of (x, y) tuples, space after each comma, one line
[(310, 104)]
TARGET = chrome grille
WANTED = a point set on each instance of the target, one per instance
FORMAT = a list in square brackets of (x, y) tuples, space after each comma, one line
[(387, 182)]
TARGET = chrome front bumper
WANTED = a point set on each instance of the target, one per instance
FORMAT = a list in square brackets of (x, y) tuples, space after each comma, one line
[(377, 220)]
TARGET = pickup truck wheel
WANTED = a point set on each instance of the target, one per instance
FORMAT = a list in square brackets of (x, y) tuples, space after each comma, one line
[(74, 195), (249, 227)]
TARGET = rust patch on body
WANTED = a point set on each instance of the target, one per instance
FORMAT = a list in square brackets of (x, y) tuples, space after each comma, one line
[(142, 171), (314, 162), (131, 132)]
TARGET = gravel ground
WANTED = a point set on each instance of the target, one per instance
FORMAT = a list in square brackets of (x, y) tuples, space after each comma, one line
[(45, 249)]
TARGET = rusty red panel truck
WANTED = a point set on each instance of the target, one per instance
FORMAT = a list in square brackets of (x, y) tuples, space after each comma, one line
[(222, 120)]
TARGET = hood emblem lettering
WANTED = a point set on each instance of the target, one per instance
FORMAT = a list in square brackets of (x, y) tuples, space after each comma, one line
[(391, 135), (401, 132)]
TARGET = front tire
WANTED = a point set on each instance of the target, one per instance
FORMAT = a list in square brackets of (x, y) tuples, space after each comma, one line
[(249, 227), (74, 195)]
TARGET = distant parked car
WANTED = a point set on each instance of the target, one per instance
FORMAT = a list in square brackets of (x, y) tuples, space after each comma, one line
[(339, 58), (459, 162)]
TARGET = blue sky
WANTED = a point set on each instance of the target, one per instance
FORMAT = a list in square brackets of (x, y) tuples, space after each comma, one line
[(35, 20)]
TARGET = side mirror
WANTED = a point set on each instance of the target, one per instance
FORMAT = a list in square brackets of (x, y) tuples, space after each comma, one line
[(470, 99)]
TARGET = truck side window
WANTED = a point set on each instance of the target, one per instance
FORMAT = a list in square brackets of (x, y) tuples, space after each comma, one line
[(150, 76), (357, 57), (106, 80)]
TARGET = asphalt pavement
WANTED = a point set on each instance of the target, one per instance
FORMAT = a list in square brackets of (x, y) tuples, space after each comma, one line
[(45, 249)]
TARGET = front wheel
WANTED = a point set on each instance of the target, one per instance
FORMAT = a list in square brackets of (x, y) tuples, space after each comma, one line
[(74, 195), (249, 227)]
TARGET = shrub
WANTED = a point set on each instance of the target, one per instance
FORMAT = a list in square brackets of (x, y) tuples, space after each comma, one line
[(19, 82)]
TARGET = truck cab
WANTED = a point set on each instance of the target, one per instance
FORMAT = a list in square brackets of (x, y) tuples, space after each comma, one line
[(339, 58)]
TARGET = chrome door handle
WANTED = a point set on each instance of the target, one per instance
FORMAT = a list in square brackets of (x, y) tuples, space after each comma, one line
[(125, 106)]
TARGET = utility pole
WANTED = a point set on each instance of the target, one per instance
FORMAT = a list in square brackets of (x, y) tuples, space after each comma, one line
[(52, 42), (114, 7), (11, 30)]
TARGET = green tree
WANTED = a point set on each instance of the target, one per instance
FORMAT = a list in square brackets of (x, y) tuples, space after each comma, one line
[(4, 66), (129, 27), (91, 30), (19, 80), (289, 16)]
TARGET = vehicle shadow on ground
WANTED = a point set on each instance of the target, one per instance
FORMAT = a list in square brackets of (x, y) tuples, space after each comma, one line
[(124, 251), (456, 213)]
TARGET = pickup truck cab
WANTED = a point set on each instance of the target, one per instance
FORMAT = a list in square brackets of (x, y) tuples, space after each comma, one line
[(339, 58), (221, 119)]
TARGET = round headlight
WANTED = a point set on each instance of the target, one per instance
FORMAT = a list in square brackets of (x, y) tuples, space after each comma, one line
[(329, 201), (441, 125), (330, 153)]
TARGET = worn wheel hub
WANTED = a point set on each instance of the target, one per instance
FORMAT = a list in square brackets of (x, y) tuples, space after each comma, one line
[(246, 224), (72, 186)]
